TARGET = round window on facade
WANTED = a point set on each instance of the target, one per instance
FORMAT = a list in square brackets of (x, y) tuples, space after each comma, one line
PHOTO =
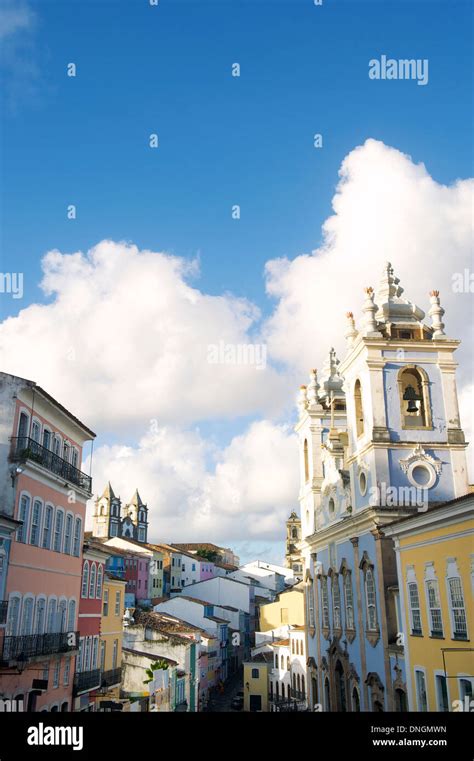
[(422, 475), (362, 483)]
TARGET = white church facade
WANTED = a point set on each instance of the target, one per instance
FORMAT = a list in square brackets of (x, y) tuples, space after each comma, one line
[(380, 439), (111, 519)]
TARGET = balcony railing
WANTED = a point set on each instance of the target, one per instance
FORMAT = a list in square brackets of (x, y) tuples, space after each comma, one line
[(111, 677), (27, 646), (3, 611), (84, 681), (24, 448)]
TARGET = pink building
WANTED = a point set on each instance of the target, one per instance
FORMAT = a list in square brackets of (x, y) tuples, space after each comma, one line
[(136, 576), (87, 678), (43, 496)]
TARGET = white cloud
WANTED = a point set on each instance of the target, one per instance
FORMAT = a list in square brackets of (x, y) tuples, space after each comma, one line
[(385, 208), (15, 17), (246, 493), (124, 341)]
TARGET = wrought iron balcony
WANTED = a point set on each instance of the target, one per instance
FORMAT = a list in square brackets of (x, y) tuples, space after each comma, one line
[(111, 677), (84, 681), (25, 448), (27, 646), (3, 611)]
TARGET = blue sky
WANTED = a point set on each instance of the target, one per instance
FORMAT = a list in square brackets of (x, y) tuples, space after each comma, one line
[(223, 140)]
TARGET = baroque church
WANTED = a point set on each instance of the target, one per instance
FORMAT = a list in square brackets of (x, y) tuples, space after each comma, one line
[(111, 519), (384, 419)]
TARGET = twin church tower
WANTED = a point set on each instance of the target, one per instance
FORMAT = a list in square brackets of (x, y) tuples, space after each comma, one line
[(111, 519)]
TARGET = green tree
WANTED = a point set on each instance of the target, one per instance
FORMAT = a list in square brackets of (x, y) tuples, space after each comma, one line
[(210, 555), (155, 666)]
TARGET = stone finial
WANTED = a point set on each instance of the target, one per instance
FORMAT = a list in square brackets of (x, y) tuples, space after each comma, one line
[(302, 402), (313, 388), (389, 287), (436, 313), (351, 333), (369, 308)]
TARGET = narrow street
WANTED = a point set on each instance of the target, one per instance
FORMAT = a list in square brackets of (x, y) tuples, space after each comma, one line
[(221, 702)]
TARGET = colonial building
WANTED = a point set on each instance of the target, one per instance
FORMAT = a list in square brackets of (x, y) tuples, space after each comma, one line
[(110, 519), (435, 560), (380, 439), (43, 495)]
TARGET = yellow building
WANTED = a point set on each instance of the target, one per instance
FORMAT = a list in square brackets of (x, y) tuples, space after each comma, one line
[(256, 682), (111, 632), (435, 556), (288, 608)]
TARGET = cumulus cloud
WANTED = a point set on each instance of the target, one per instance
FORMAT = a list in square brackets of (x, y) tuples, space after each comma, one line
[(386, 208), (124, 342), (195, 489), (127, 340)]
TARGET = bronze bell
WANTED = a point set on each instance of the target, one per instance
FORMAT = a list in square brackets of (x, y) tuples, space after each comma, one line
[(412, 398)]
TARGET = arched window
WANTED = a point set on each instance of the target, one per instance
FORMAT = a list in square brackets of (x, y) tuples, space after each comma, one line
[(40, 615), (92, 580), (359, 411), (47, 527), (434, 607), (85, 578), (51, 622), (340, 687), (349, 601), (401, 704), (46, 438), (327, 694), (36, 431), (413, 388), (13, 620), (77, 537), (276, 660), (71, 616), (62, 616), (370, 600), (298, 685), (325, 601), (303, 684), (100, 573), (27, 615), (282, 662), (336, 602), (23, 515), (306, 461), (288, 663), (23, 425), (68, 534), (58, 530), (415, 610), (457, 608), (311, 604), (36, 522)]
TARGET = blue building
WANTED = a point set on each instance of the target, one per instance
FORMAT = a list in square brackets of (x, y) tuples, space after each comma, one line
[(380, 439)]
